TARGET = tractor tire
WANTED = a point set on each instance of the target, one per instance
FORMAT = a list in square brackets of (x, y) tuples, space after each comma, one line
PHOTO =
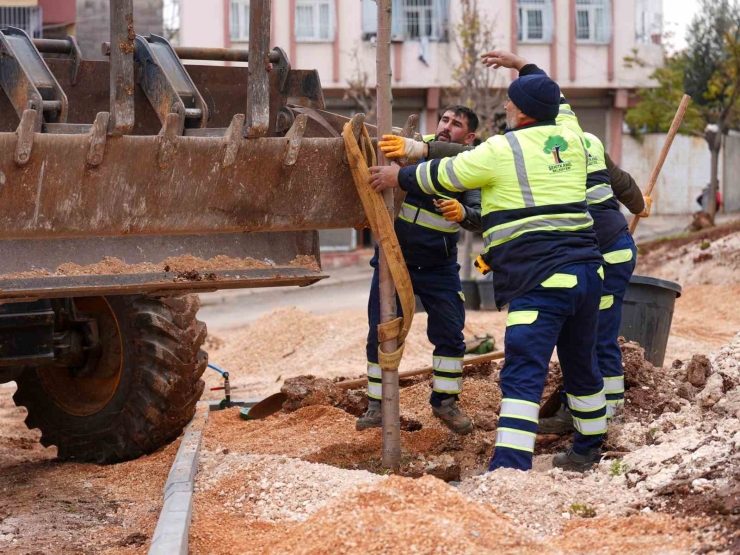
[(144, 396)]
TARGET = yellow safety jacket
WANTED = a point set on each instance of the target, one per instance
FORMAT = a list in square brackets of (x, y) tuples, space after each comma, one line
[(533, 184)]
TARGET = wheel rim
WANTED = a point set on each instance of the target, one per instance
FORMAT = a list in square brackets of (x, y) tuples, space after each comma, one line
[(84, 396)]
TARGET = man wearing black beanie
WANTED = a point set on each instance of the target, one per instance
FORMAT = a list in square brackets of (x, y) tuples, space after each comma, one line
[(540, 244)]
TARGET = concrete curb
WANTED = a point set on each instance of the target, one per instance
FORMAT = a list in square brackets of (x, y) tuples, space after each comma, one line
[(173, 526)]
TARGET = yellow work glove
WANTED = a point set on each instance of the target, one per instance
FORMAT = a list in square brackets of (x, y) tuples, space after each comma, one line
[(481, 265), (451, 209), (394, 146), (646, 211)]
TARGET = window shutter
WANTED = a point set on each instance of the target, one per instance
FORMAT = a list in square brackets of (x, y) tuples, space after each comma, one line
[(442, 19), (369, 19), (397, 30), (547, 21), (604, 22)]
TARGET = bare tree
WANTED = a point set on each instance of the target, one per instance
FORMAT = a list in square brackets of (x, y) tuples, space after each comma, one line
[(475, 86), (358, 91)]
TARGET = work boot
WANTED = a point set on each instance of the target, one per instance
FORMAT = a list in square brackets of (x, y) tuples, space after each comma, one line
[(453, 417), (561, 423), (372, 418), (573, 462)]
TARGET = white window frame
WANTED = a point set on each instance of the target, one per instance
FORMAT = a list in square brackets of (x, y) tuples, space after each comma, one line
[(316, 24), (424, 12), (648, 21), (524, 8), (239, 20), (432, 14), (596, 35), (28, 18)]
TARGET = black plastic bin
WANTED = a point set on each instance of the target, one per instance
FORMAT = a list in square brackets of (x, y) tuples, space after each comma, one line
[(647, 314), (485, 289), (470, 291)]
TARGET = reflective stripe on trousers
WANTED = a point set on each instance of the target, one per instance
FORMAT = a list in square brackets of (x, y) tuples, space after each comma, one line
[(614, 385), (374, 381), (590, 427), (589, 404), (419, 216), (515, 439), (447, 374), (523, 410)]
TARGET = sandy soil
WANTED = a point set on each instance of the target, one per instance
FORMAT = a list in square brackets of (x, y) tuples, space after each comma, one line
[(62, 508), (306, 482)]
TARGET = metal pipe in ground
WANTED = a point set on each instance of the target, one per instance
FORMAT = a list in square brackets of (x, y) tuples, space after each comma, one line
[(391, 412)]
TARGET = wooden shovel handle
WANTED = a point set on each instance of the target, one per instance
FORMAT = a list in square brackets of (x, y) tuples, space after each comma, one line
[(359, 382), (677, 119)]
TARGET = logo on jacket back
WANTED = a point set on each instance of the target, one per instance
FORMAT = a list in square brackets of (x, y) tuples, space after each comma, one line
[(556, 145), (592, 160)]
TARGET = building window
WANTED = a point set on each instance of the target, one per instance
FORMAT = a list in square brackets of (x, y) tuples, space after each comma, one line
[(314, 20), (648, 21), (593, 21), (534, 18), (239, 20), (420, 19), (29, 19)]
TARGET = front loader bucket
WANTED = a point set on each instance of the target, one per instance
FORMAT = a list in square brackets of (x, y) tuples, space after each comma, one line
[(187, 199)]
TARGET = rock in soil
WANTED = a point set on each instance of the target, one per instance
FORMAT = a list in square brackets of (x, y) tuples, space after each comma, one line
[(698, 370)]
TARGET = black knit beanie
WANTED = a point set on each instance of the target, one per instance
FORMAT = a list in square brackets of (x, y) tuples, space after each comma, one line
[(537, 96)]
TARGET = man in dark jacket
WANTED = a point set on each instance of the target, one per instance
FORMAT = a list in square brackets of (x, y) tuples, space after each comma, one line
[(428, 229)]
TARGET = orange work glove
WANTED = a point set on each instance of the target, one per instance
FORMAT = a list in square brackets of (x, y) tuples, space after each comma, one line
[(646, 211), (394, 146), (452, 210)]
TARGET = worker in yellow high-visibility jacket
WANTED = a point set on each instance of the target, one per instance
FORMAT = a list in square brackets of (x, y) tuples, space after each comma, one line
[(540, 243)]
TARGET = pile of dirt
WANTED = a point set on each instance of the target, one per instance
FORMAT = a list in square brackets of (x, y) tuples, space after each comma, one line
[(319, 426), (305, 391), (423, 516), (687, 459), (708, 258), (679, 456), (272, 488)]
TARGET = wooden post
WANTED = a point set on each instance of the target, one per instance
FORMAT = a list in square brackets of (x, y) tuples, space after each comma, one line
[(467, 267), (391, 454)]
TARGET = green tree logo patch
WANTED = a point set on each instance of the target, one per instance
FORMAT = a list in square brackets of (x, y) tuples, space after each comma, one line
[(556, 145)]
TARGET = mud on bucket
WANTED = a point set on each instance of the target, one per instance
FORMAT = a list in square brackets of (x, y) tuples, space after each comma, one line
[(647, 314)]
